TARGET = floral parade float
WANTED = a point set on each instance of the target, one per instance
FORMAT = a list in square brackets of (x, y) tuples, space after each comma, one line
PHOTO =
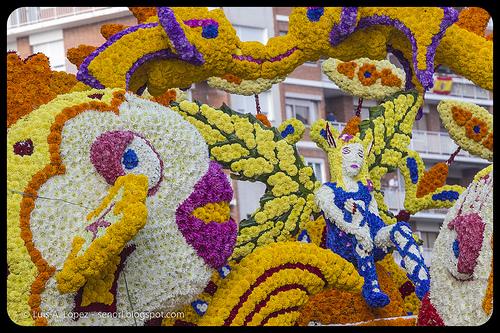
[(117, 199)]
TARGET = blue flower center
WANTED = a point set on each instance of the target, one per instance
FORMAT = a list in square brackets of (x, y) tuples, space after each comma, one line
[(130, 159), (368, 74), (210, 31), (477, 129), (315, 13), (456, 248)]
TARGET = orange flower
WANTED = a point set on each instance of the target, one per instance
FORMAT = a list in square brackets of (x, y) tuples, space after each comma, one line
[(31, 83), (263, 119), (473, 19), (476, 129), (432, 179), (368, 74), (232, 78), (166, 98), (142, 14), (460, 115), (389, 79), (108, 30), (352, 126), (347, 68), (488, 142), (77, 55), (340, 307)]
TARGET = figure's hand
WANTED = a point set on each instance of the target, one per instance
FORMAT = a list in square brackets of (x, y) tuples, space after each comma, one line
[(349, 205), (353, 205), (364, 239)]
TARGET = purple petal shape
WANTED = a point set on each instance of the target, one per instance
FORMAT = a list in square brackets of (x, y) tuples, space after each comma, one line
[(213, 241), (424, 76), (83, 74), (345, 27), (406, 66), (183, 48)]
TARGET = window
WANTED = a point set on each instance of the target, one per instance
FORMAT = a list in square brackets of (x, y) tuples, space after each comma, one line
[(55, 52), (246, 104), (302, 109), (248, 34), (282, 33), (318, 168)]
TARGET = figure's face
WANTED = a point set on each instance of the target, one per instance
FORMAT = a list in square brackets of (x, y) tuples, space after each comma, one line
[(352, 159)]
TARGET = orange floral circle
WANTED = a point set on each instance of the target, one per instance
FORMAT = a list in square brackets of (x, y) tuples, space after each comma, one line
[(488, 142), (476, 129), (368, 74), (232, 78)]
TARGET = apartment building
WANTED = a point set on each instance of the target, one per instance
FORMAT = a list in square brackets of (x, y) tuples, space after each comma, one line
[(306, 94)]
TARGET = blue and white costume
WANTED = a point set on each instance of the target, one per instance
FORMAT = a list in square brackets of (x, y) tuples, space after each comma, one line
[(361, 237)]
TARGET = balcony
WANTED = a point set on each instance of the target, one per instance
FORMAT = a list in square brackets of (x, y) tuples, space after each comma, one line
[(27, 20), (432, 145), (394, 198), (31, 15)]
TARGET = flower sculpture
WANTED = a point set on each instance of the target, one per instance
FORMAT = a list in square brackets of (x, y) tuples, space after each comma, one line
[(173, 47), (354, 228), (114, 205), (470, 126), (365, 78), (461, 290)]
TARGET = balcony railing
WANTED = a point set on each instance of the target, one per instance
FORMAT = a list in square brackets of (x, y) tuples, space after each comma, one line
[(30, 15), (461, 88), (430, 142), (464, 88), (395, 197)]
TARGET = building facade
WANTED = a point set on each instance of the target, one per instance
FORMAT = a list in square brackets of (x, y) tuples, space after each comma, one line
[(306, 94)]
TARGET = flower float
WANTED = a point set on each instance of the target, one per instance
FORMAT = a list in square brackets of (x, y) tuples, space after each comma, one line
[(97, 181), (173, 47), (462, 266), (106, 187), (365, 78), (470, 126)]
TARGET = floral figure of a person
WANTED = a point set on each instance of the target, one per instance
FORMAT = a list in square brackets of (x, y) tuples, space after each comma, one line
[(355, 230)]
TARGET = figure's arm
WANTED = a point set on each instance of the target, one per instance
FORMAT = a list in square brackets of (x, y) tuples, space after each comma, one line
[(325, 200), (373, 207)]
